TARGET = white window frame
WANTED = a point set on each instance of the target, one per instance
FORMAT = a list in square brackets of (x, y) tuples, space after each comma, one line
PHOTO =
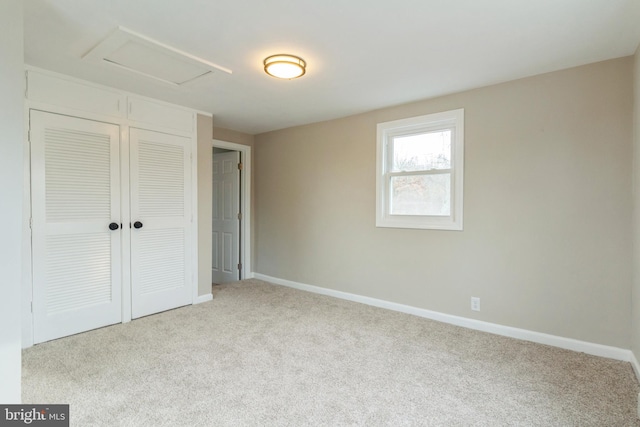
[(453, 120)]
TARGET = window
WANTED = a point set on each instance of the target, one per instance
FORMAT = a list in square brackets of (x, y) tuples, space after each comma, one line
[(420, 172)]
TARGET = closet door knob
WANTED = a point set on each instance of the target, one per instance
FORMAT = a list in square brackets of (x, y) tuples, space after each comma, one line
[(113, 226), (137, 224)]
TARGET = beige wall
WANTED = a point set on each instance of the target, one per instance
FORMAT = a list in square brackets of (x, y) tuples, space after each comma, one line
[(635, 300), (229, 135), (546, 242), (11, 188), (207, 132), (205, 177)]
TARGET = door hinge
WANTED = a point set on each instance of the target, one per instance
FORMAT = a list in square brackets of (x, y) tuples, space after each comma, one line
[(29, 134), (239, 266), (32, 306), (239, 166), (239, 215), (31, 223)]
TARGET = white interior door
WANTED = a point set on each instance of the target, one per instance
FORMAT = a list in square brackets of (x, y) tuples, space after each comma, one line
[(225, 217), (75, 199), (160, 169)]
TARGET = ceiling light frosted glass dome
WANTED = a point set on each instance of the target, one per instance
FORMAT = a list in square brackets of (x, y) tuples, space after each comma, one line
[(285, 66)]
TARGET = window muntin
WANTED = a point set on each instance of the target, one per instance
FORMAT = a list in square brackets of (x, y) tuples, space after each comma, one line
[(420, 171)]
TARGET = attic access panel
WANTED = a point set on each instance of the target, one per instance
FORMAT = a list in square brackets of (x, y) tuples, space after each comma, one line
[(143, 55)]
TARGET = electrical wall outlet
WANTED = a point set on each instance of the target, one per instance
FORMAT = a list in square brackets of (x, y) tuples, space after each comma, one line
[(475, 303)]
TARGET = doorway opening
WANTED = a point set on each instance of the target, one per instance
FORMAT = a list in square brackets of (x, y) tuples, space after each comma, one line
[(231, 208)]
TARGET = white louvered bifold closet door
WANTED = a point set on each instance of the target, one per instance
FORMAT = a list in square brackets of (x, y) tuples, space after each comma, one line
[(161, 222), (75, 196)]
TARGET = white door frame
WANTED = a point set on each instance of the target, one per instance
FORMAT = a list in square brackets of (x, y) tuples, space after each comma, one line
[(225, 219), (245, 189)]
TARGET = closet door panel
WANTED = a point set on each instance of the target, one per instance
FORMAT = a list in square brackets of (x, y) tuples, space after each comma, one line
[(75, 197), (161, 221)]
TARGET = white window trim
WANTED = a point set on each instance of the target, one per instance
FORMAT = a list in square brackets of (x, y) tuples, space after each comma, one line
[(453, 119)]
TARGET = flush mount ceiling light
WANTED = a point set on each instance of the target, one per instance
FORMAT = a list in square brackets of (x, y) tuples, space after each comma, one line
[(285, 66)]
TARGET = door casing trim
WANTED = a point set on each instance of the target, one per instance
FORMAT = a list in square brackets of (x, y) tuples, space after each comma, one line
[(245, 191)]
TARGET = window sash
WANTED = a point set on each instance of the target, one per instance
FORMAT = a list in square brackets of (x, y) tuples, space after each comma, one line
[(388, 199), (390, 145), (421, 172), (453, 121)]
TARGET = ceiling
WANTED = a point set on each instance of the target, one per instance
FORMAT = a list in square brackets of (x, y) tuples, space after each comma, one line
[(361, 54)]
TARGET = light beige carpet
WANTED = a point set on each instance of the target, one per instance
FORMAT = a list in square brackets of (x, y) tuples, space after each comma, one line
[(262, 355)]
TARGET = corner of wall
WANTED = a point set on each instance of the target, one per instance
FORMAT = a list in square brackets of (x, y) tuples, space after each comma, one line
[(635, 287), (205, 134), (12, 190)]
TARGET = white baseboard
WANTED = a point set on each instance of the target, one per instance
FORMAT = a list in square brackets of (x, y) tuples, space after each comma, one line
[(203, 298), (494, 328)]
